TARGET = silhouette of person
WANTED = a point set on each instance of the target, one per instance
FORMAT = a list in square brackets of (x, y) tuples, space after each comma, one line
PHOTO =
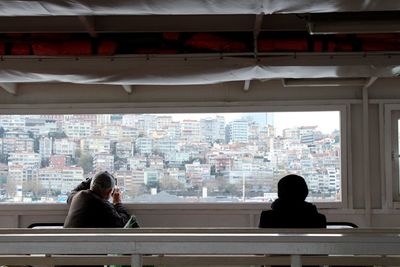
[(89, 205), (290, 210)]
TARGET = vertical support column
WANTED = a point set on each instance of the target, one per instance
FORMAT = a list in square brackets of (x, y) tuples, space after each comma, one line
[(136, 260), (295, 261), (366, 173), (367, 181), (350, 183), (384, 197)]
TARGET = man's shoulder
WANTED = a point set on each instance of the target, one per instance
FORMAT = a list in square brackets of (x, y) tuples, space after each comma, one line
[(85, 192), (85, 195)]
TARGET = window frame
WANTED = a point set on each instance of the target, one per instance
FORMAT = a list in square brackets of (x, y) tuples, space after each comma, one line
[(392, 152), (275, 106)]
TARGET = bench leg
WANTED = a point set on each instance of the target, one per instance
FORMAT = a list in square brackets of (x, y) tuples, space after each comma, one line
[(136, 260), (295, 261)]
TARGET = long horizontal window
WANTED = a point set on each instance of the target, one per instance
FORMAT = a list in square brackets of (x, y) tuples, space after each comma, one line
[(213, 157)]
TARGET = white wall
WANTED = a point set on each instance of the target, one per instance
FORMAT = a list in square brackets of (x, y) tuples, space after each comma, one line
[(364, 205)]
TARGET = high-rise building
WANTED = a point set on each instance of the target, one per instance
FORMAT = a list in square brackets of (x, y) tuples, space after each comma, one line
[(166, 145), (50, 178), (12, 122), (96, 145), (137, 163), (31, 160), (112, 132), (78, 128), (45, 147), (71, 176), (237, 131), (146, 123), (163, 122), (143, 145), (16, 144), (41, 126), (307, 134), (212, 129), (124, 149), (103, 162), (190, 130), (64, 147), (103, 119)]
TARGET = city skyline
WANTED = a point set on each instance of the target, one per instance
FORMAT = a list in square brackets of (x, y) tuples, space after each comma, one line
[(42, 157)]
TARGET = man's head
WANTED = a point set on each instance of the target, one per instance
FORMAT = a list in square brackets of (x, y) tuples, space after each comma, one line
[(292, 187), (103, 184)]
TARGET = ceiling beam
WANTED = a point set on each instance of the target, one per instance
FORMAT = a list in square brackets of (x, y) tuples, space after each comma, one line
[(88, 23), (153, 23), (10, 88), (128, 88), (349, 23)]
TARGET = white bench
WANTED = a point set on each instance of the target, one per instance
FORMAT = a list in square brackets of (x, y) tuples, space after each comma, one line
[(207, 246)]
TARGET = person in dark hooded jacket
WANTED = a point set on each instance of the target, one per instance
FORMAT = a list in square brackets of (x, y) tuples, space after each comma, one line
[(291, 210)]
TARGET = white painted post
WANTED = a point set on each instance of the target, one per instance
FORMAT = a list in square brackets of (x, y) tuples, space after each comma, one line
[(295, 261), (136, 260)]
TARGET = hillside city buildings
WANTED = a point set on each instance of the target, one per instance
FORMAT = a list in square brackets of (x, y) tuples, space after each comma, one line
[(159, 158)]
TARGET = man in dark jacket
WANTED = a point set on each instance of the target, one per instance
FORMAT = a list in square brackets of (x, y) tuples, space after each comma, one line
[(291, 210), (90, 206)]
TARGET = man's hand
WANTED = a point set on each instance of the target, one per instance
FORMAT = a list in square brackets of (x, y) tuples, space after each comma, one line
[(116, 195)]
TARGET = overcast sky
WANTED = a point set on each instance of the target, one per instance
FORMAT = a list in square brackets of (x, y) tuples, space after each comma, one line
[(327, 121)]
